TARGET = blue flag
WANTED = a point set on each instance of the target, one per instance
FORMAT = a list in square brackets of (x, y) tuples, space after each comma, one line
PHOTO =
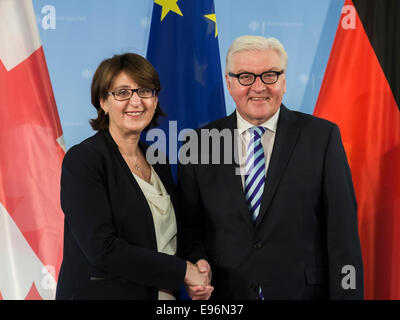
[(183, 47)]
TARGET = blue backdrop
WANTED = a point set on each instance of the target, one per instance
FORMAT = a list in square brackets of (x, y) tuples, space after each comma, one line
[(77, 35)]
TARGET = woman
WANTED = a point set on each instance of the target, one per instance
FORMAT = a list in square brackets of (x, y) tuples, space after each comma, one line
[(120, 236)]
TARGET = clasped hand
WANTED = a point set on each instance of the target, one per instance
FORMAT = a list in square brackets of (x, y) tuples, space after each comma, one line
[(198, 280)]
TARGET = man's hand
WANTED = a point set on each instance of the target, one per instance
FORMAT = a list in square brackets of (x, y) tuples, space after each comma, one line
[(198, 280)]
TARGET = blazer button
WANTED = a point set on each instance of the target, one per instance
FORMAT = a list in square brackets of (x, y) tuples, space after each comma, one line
[(258, 245)]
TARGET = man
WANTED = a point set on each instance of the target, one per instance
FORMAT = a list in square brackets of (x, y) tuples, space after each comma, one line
[(283, 224)]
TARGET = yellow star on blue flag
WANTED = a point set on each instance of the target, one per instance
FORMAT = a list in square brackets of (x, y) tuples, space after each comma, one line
[(213, 18), (167, 6), (186, 57)]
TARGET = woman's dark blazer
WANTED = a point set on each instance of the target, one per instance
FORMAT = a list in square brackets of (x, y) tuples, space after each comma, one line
[(110, 248)]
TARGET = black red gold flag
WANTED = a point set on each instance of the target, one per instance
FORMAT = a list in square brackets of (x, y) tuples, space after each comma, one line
[(361, 93)]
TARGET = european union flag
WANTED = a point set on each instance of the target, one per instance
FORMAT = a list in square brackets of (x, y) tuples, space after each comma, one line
[(183, 47)]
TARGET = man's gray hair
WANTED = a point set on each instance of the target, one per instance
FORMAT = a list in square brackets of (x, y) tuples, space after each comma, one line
[(255, 43)]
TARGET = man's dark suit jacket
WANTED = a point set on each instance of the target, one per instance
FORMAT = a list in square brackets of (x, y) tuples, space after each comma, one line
[(110, 249), (306, 231)]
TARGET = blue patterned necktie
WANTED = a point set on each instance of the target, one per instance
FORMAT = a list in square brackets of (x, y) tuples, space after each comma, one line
[(255, 172)]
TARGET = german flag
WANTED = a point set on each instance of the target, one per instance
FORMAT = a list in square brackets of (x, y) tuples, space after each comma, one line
[(361, 93)]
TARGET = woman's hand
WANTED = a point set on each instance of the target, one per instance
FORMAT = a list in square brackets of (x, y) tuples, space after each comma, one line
[(198, 280)]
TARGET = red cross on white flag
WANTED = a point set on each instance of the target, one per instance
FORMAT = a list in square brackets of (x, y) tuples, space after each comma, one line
[(31, 152)]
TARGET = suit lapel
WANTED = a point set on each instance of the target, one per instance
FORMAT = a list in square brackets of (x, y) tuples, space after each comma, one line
[(135, 186), (285, 141), (232, 175)]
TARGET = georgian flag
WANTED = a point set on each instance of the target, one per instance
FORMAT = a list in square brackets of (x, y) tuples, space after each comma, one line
[(31, 152)]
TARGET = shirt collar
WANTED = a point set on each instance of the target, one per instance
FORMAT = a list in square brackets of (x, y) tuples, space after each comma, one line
[(270, 124)]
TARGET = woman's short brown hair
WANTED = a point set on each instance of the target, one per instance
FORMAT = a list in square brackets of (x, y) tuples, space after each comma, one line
[(135, 66)]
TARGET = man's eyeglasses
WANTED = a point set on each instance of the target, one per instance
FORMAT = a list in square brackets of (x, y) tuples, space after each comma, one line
[(248, 78), (126, 94)]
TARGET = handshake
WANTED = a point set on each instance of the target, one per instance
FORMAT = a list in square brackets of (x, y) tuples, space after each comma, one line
[(198, 280)]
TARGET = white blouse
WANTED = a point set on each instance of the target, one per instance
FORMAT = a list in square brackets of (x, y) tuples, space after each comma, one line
[(164, 219)]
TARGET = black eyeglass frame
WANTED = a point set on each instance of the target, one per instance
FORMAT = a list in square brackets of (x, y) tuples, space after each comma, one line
[(154, 91), (237, 75)]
